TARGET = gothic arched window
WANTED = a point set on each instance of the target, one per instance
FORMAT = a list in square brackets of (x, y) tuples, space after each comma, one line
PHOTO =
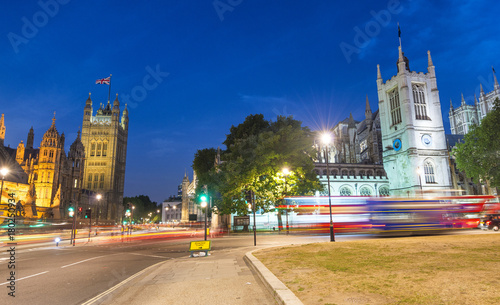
[(419, 102), (429, 172), (395, 107), (98, 153), (365, 191), (383, 191), (345, 191), (92, 149), (104, 149)]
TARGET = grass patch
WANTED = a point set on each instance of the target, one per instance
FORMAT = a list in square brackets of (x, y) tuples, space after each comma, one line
[(455, 269)]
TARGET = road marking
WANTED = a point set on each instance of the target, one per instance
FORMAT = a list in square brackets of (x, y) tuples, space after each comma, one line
[(17, 280), (91, 301), (88, 259), (148, 255)]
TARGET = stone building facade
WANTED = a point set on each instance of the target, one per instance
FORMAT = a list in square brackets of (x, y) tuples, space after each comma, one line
[(104, 137)]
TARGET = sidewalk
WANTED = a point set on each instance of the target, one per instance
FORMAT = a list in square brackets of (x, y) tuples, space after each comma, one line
[(224, 277)]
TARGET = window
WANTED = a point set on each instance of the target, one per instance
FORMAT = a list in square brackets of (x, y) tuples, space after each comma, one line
[(419, 102), (345, 191), (92, 149), (76, 183), (104, 149), (383, 191), (98, 153), (429, 172), (365, 191), (101, 182), (48, 177), (395, 107), (96, 179)]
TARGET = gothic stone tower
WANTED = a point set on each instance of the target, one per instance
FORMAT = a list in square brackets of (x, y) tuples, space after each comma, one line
[(104, 137), (413, 140)]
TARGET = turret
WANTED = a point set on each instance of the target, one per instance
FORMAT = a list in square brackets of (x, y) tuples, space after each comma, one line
[(116, 109), (463, 101), (368, 110), (2, 130), (403, 62), (30, 140), (87, 111), (20, 153), (124, 121)]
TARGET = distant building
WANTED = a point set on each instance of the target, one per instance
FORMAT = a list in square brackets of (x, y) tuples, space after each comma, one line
[(354, 158), (464, 116), (171, 212)]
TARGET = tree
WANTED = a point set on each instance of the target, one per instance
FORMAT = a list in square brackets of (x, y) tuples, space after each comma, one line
[(143, 206), (479, 155), (257, 154)]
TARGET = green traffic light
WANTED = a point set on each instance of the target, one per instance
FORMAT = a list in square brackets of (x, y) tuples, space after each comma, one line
[(70, 209), (203, 198)]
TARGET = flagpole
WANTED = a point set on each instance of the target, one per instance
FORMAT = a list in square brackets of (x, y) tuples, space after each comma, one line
[(109, 92)]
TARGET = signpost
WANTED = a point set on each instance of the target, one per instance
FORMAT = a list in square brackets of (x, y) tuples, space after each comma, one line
[(200, 246)]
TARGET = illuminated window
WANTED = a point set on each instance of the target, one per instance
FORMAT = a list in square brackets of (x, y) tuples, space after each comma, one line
[(101, 183), (98, 153), (419, 102), (48, 177), (104, 149), (395, 107), (429, 172), (92, 149), (76, 183)]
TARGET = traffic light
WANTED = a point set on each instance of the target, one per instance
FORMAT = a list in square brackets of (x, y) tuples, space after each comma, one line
[(88, 213), (80, 209), (203, 199), (71, 211), (248, 196)]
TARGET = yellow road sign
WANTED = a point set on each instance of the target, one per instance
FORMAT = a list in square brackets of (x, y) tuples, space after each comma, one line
[(202, 245)]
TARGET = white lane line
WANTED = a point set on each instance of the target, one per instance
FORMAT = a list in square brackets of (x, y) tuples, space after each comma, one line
[(17, 280), (148, 255), (96, 298), (88, 259)]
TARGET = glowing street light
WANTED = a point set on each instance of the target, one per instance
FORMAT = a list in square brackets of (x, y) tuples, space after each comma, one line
[(326, 138)]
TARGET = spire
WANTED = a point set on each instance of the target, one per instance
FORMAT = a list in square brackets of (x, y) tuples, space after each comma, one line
[(451, 105), (351, 121), (481, 89), (2, 130), (116, 102), (463, 100), (495, 77), (475, 100), (31, 136), (54, 119), (403, 62), (368, 110), (379, 76), (429, 59)]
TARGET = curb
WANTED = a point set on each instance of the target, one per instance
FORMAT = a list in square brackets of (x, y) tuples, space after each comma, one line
[(278, 290)]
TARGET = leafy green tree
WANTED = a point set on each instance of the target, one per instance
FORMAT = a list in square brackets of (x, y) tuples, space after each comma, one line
[(255, 162), (479, 155)]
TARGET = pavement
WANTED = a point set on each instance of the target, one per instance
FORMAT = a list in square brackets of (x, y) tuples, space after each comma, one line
[(223, 277)]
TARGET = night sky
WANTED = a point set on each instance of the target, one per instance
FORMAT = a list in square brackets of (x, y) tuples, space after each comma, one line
[(190, 69)]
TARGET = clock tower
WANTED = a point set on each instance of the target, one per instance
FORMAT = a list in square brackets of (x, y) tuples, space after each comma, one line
[(415, 155)]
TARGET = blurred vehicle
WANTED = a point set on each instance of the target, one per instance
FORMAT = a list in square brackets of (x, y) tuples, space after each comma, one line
[(494, 224), (490, 222)]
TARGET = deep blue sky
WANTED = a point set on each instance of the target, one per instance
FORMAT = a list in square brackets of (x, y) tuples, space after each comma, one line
[(279, 57)]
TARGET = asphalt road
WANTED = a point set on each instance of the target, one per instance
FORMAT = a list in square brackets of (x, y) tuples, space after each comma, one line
[(72, 275)]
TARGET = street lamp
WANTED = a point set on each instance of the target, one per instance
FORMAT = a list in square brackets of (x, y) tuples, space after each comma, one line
[(4, 171), (326, 139), (286, 172), (204, 205), (98, 210), (420, 172)]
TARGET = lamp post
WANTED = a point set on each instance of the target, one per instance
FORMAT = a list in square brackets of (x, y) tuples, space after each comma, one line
[(204, 205), (420, 173), (98, 210), (285, 173), (326, 139), (4, 171)]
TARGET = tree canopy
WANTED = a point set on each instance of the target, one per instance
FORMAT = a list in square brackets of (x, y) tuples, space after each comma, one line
[(143, 206), (257, 152), (479, 155)]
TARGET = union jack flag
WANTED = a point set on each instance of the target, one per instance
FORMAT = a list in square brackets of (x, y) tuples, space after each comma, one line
[(103, 80)]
